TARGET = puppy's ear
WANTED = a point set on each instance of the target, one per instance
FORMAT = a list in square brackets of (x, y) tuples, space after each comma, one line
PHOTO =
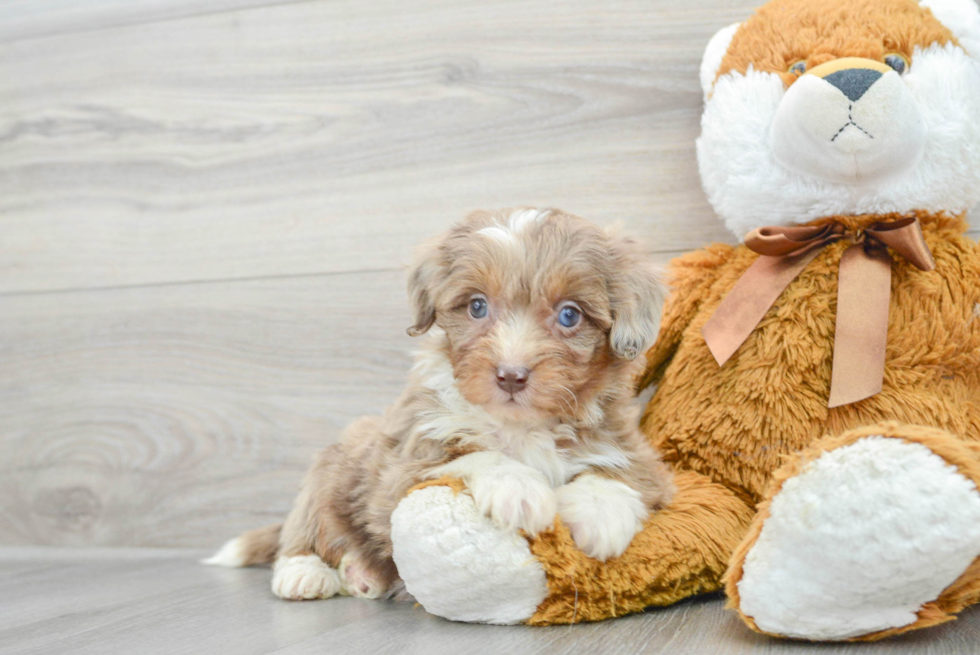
[(637, 295), (422, 277)]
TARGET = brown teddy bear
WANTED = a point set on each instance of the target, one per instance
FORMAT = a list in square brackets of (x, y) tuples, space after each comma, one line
[(818, 387)]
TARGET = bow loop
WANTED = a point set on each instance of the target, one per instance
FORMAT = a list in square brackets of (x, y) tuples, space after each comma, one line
[(904, 236), (791, 241), (864, 284)]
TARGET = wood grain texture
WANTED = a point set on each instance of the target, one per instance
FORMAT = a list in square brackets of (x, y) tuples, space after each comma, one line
[(169, 141), (123, 601), (331, 136), (21, 20), (176, 414), (205, 209)]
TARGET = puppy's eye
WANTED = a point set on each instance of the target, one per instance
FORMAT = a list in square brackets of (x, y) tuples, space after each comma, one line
[(798, 68), (569, 316), (478, 307), (897, 61)]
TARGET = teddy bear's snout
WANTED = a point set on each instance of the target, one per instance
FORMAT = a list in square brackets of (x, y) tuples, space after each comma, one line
[(851, 121)]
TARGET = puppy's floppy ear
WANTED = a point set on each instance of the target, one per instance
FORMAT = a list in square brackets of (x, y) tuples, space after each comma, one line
[(637, 294), (423, 275)]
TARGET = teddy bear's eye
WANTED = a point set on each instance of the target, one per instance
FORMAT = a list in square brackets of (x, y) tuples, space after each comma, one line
[(897, 61), (798, 68)]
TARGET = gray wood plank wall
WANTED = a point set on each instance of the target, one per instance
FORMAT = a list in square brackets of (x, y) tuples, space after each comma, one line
[(205, 212)]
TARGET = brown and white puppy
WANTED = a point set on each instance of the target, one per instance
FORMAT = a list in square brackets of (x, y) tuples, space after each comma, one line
[(523, 390)]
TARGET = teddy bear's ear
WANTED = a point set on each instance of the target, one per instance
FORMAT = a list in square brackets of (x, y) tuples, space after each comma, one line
[(637, 295), (713, 54), (962, 18)]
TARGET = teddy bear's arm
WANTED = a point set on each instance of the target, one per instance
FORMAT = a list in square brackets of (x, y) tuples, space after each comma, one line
[(460, 565), (690, 276), (682, 551)]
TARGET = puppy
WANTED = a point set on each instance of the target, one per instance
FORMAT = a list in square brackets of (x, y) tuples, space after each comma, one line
[(522, 390)]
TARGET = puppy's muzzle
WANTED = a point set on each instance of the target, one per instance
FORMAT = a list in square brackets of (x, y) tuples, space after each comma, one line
[(512, 378)]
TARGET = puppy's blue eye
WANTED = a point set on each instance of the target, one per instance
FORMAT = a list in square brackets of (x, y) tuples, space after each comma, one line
[(478, 308), (569, 316)]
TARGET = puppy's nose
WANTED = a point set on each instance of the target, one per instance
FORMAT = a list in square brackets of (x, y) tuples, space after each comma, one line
[(853, 82), (512, 378)]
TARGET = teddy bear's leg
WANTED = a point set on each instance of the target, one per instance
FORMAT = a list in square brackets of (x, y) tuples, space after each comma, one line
[(459, 565), (866, 535)]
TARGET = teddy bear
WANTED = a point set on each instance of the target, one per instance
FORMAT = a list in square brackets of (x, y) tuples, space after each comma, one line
[(818, 385)]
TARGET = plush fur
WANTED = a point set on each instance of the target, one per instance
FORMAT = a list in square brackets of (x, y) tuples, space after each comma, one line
[(765, 472), (905, 532), (563, 443), (506, 583), (766, 412), (783, 32), (740, 169)]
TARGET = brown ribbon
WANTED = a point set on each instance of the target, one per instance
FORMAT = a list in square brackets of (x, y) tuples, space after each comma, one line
[(863, 292)]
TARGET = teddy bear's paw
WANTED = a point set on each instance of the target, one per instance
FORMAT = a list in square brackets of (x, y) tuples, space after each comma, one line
[(859, 540), (458, 564), (304, 577), (516, 500), (603, 515)]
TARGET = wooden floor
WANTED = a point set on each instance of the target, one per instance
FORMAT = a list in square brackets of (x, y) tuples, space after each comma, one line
[(152, 601)]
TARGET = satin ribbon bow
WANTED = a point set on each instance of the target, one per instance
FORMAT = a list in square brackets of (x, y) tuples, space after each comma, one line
[(863, 294)]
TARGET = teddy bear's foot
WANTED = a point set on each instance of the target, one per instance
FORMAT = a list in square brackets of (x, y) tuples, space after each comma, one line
[(868, 534), (459, 565)]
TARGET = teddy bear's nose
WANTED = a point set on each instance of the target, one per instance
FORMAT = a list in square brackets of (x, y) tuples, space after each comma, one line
[(853, 82)]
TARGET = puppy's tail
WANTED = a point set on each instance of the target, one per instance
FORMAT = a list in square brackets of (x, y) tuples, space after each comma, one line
[(254, 547)]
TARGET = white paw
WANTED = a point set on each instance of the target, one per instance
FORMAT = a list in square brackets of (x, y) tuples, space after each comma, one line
[(603, 515), (304, 577), (859, 540), (357, 580), (516, 500), (514, 495)]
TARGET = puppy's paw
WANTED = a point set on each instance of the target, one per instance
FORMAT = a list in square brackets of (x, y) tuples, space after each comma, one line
[(357, 579), (516, 500), (304, 577), (603, 515)]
